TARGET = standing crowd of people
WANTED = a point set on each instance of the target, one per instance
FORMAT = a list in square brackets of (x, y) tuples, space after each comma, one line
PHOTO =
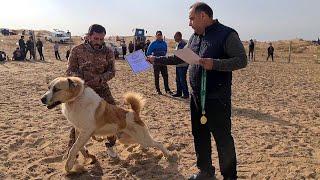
[(21, 52)]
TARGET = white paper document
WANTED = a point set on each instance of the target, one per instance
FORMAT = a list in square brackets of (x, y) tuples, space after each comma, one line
[(138, 62), (187, 55)]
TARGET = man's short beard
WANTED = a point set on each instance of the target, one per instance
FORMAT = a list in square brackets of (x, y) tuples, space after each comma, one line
[(94, 45)]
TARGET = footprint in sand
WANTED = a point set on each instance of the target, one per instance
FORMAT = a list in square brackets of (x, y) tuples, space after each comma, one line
[(32, 168), (25, 134), (38, 142), (16, 145)]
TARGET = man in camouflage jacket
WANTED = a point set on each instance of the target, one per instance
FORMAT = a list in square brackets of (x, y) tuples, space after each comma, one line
[(94, 63)]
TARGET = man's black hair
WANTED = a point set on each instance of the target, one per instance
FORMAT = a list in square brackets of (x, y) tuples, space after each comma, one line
[(97, 29)]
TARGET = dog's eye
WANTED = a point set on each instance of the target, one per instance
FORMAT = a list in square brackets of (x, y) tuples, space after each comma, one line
[(55, 89)]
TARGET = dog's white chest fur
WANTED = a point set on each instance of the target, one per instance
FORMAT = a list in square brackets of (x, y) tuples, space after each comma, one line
[(81, 112)]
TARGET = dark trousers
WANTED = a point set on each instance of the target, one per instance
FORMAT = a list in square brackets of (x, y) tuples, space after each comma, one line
[(23, 52), (250, 56), (218, 125), (56, 53), (270, 54), (31, 53), (124, 52), (164, 72), (41, 54), (181, 80)]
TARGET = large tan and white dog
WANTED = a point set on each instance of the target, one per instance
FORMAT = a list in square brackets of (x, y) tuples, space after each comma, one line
[(91, 115)]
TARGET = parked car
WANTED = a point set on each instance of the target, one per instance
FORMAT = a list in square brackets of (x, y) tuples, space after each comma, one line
[(7, 32), (114, 47), (59, 36)]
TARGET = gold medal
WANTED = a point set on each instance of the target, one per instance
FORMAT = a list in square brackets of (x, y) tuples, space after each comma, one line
[(203, 119)]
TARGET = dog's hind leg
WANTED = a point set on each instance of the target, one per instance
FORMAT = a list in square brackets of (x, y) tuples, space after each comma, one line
[(160, 146), (77, 146), (142, 136)]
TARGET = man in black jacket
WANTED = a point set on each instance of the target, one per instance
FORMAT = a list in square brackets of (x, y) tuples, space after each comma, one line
[(270, 51), (131, 47), (30, 47), (221, 52), (22, 46), (251, 50), (39, 46)]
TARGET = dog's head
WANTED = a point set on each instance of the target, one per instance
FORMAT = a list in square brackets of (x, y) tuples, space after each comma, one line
[(62, 90)]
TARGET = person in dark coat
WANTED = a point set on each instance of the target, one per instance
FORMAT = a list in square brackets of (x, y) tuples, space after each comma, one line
[(30, 48), (221, 52), (39, 46), (22, 46), (131, 47), (270, 51), (17, 55)]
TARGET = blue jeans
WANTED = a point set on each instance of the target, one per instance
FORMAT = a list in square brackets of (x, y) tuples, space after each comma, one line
[(181, 80)]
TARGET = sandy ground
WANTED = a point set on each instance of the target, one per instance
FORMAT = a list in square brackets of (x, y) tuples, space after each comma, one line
[(275, 114)]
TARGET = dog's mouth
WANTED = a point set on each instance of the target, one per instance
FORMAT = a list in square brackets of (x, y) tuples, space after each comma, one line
[(54, 104)]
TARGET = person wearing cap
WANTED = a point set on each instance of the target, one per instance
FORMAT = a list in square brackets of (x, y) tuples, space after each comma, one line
[(221, 52), (159, 48), (94, 62)]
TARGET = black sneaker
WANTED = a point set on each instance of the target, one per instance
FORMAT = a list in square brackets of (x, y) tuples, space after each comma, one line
[(176, 95), (202, 175), (159, 92), (169, 92)]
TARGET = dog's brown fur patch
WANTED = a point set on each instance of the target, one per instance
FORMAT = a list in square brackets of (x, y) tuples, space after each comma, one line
[(110, 114)]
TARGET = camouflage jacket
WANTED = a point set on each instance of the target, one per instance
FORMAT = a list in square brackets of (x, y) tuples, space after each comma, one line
[(95, 67)]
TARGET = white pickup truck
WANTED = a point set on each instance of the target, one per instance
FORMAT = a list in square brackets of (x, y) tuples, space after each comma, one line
[(59, 36)]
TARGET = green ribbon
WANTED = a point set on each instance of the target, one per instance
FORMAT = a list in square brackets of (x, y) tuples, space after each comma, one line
[(203, 90)]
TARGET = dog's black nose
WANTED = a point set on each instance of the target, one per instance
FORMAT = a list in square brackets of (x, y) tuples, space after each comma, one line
[(44, 99)]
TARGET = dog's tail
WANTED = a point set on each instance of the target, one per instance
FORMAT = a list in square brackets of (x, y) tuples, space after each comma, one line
[(135, 100)]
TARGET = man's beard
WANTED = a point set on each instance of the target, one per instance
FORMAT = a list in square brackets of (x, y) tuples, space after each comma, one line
[(96, 46)]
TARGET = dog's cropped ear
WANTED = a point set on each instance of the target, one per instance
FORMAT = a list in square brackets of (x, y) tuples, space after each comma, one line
[(71, 84)]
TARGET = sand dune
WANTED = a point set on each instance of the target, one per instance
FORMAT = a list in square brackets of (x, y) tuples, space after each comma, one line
[(276, 121)]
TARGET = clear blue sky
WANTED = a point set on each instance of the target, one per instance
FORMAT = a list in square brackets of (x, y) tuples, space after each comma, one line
[(260, 19)]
